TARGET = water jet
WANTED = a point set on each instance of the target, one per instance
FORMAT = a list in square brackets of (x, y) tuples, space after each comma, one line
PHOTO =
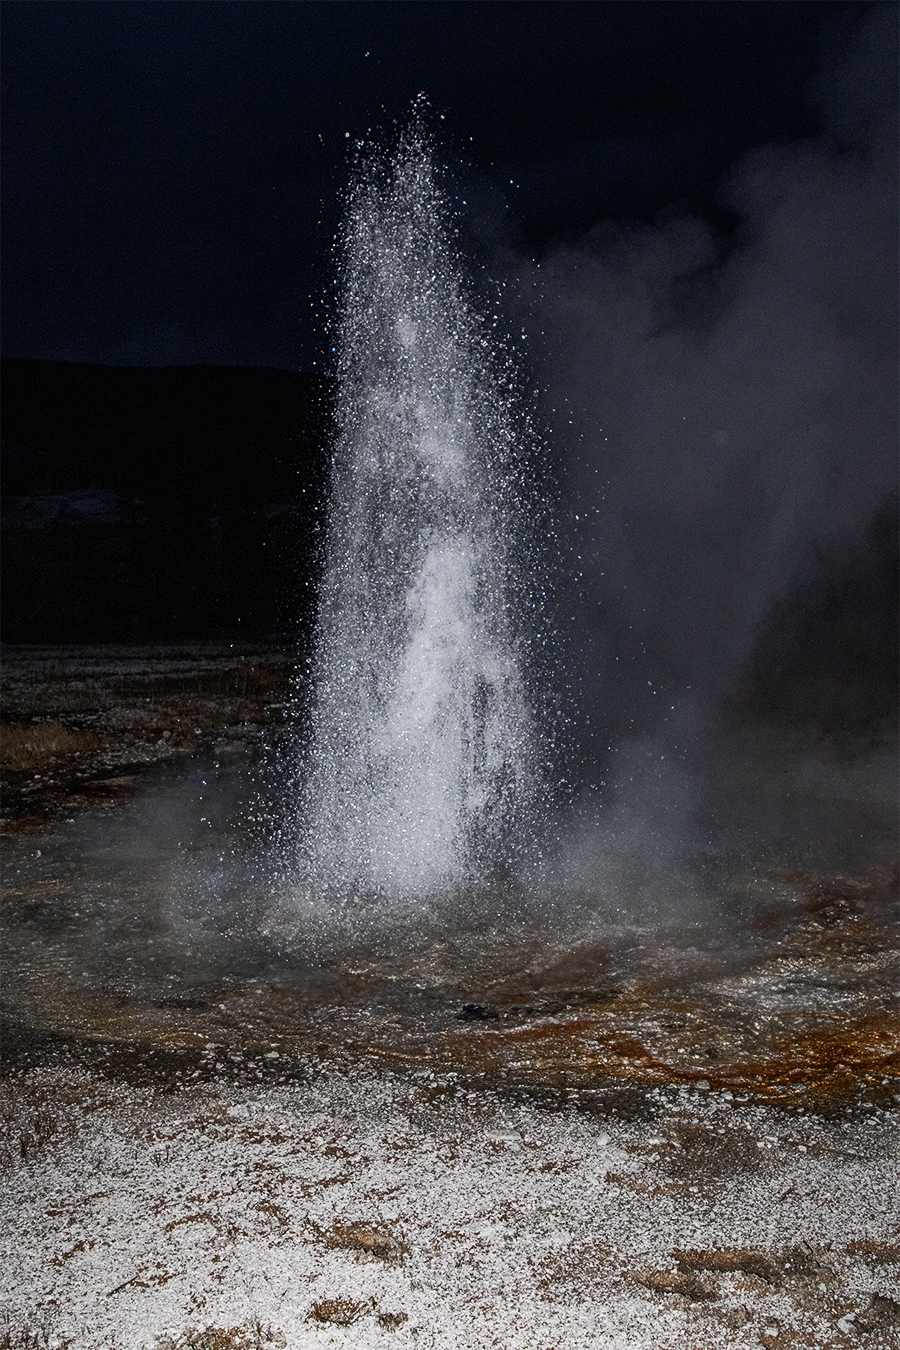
[(421, 754)]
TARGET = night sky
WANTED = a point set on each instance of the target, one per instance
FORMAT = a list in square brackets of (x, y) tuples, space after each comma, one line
[(174, 171)]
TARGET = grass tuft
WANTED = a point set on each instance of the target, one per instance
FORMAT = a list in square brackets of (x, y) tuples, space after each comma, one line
[(26, 746), (341, 1312)]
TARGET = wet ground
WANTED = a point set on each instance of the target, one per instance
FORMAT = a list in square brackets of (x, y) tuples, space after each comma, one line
[(508, 1130), (82, 725)]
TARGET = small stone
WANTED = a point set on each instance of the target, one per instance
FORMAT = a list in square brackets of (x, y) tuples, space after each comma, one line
[(503, 1136)]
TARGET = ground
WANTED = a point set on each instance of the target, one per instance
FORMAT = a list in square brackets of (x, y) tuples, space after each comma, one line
[(360, 1206), (533, 1137)]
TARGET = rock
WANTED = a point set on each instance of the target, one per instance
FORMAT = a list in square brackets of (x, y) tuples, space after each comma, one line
[(476, 1012), (806, 1265)]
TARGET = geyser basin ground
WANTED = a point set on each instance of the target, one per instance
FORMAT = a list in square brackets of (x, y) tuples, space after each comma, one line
[(361, 1206), (552, 1132)]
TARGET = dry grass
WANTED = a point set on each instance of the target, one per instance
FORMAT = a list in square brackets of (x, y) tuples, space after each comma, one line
[(25, 747), (391, 1321), (366, 1240), (140, 710), (341, 1312), (675, 1282), (51, 692), (219, 1338), (244, 681), (37, 1116), (32, 1338), (26, 1129), (254, 1337)]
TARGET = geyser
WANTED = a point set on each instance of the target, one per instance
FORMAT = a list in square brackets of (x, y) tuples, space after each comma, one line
[(420, 765)]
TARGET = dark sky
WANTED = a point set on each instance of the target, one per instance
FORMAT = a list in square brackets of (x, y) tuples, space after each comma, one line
[(173, 171)]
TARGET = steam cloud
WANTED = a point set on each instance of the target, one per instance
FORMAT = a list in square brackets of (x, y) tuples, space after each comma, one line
[(726, 409), (727, 412)]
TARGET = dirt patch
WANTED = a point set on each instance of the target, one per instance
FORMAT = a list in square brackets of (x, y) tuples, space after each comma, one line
[(882, 1253), (746, 1261), (574, 1272), (801, 1266), (881, 1314), (703, 1154)]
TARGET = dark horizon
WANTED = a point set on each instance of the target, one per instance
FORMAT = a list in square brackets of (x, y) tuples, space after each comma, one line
[(146, 504)]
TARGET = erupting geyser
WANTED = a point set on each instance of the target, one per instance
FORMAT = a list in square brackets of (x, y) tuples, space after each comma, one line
[(420, 760)]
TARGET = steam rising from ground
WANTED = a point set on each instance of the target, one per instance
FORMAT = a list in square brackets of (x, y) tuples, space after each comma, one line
[(725, 412), (723, 407)]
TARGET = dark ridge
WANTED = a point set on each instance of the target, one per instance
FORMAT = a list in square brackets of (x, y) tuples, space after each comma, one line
[(151, 504)]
